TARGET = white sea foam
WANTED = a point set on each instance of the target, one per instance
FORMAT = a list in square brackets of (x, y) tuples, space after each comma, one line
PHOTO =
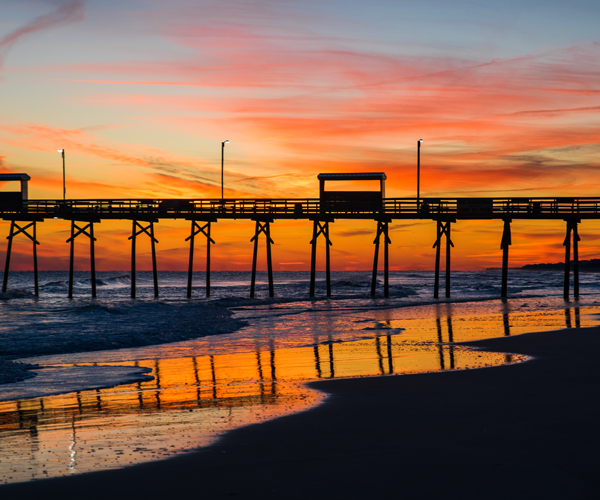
[(53, 325), (64, 379)]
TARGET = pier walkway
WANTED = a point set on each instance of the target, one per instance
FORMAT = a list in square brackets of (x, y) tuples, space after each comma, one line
[(307, 208)]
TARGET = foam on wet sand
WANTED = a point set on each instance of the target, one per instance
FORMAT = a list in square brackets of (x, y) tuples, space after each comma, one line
[(49, 381)]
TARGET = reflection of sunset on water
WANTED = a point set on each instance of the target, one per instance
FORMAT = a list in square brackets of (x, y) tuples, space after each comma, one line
[(190, 401), (194, 399)]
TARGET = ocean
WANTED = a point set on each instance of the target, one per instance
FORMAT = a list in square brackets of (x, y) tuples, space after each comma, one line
[(103, 383)]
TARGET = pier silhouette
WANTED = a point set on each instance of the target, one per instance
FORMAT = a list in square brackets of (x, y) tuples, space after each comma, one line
[(24, 215)]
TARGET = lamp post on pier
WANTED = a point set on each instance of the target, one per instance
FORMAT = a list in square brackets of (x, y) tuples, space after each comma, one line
[(62, 152), (222, 162), (419, 173)]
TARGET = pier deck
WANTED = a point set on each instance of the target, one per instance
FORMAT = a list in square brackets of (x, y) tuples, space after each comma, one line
[(306, 208)]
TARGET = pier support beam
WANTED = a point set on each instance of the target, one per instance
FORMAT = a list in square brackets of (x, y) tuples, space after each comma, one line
[(205, 230), (137, 229), (320, 227), (83, 230), (262, 226), (443, 228), (16, 229), (504, 245), (382, 228), (571, 229)]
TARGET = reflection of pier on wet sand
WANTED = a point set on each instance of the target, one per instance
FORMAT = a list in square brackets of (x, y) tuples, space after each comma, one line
[(528, 431), (193, 399)]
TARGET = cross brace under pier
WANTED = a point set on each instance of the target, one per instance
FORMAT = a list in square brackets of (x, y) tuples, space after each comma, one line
[(320, 227), (205, 230), (262, 226), (83, 230), (443, 229), (382, 229), (16, 229)]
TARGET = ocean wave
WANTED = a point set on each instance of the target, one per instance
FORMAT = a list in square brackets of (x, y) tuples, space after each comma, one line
[(116, 280), (406, 290), (98, 308), (54, 284), (17, 293), (86, 282), (351, 284)]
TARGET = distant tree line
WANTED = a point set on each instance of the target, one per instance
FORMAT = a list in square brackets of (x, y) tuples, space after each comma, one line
[(588, 265)]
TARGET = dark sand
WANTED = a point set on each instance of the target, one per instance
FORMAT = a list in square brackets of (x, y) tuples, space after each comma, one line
[(524, 431)]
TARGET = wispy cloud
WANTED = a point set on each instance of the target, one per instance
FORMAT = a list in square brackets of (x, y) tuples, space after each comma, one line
[(70, 12)]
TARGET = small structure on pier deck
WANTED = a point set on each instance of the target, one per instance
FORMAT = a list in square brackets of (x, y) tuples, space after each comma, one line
[(14, 201), (14, 197), (349, 200)]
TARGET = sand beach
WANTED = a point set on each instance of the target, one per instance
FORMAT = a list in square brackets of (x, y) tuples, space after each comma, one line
[(527, 430), (299, 250)]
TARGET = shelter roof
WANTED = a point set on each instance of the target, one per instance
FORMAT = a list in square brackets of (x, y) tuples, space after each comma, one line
[(14, 177), (367, 176)]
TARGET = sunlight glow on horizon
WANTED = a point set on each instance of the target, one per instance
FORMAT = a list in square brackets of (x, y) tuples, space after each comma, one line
[(505, 98)]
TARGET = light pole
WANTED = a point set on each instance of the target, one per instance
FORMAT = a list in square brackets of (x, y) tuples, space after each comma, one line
[(62, 152), (419, 172), (222, 160)]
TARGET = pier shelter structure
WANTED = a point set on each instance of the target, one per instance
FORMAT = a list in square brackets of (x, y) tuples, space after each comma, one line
[(24, 214)]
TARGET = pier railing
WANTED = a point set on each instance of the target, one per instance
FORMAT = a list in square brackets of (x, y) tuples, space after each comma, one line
[(307, 208)]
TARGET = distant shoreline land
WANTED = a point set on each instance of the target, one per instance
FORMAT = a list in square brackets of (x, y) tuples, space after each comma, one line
[(584, 265)]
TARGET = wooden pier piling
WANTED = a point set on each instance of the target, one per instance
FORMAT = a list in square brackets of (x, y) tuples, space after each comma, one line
[(382, 228), (205, 230), (262, 226), (504, 245), (71, 258), (436, 245), (93, 259), (571, 230), (153, 242), (133, 239), (135, 225), (36, 286), (320, 227), (576, 240)]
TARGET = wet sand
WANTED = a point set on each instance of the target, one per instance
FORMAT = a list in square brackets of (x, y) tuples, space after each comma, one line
[(528, 430)]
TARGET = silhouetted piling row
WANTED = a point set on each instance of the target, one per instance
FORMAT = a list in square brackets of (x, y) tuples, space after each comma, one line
[(321, 227)]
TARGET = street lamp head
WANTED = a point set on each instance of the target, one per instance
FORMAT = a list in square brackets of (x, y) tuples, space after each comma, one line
[(225, 142), (61, 150), (420, 140)]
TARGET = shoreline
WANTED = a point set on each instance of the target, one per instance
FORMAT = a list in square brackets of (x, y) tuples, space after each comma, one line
[(526, 430), (19, 366)]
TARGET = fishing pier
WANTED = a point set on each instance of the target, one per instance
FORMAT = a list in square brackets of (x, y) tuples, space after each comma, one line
[(24, 215)]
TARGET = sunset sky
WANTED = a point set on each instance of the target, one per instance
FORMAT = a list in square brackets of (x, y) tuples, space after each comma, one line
[(140, 94)]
